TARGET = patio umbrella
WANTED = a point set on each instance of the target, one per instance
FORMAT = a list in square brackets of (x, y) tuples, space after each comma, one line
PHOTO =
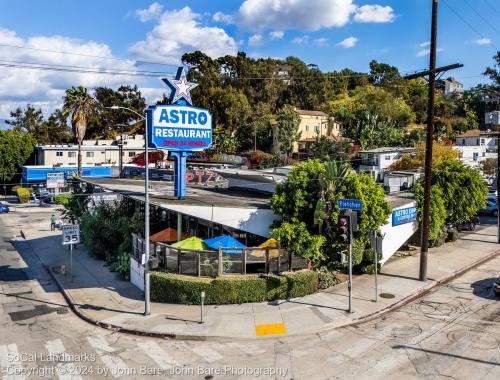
[(225, 241), (193, 243), (168, 235), (273, 246)]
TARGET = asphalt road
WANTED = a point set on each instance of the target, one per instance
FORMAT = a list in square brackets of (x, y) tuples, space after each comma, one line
[(452, 332)]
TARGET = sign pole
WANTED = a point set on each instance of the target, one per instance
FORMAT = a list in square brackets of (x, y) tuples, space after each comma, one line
[(349, 284), (71, 261), (375, 262)]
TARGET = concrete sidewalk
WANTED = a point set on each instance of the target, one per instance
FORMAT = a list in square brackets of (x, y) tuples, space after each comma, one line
[(99, 295)]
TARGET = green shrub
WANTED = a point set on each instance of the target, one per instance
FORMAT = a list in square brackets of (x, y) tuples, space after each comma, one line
[(23, 194), (122, 265), (212, 266), (169, 287), (326, 278), (62, 199), (440, 239), (370, 268)]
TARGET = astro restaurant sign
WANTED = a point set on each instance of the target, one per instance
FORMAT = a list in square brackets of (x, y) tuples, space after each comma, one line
[(179, 126), (404, 215)]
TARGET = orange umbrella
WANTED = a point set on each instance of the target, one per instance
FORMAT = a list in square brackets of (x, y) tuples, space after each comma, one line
[(168, 235)]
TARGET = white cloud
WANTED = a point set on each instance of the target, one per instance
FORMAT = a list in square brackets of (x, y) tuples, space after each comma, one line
[(348, 42), (425, 44), (276, 34), (179, 32), (152, 12), (307, 15), (425, 52), (374, 14), (45, 89), (304, 40), (321, 42), (483, 41), (222, 17), (255, 40)]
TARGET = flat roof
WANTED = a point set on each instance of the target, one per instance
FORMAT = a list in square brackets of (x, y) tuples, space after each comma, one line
[(400, 199), (162, 192), (388, 149)]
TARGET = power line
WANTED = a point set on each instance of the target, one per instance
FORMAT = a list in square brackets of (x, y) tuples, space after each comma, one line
[(492, 7), (482, 18), (87, 55), (465, 21)]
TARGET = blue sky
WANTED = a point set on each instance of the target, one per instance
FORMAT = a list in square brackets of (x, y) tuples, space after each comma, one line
[(330, 33)]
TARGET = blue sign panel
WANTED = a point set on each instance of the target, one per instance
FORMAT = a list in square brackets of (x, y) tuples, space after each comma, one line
[(404, 215), (350, 204), (179, 127)]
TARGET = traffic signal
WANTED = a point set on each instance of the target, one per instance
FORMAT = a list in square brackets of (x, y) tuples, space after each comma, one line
[(344, 224)]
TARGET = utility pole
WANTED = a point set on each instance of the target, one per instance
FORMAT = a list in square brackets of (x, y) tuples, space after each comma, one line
[(429, 137), (428, 147)]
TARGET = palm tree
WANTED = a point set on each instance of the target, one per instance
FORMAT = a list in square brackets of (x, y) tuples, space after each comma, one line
[(329, 181), (80, 105)]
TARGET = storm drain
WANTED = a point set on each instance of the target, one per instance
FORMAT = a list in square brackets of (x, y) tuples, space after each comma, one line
[(386, 295)]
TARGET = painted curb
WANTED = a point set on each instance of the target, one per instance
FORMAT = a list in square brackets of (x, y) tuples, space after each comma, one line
[(356, 321)]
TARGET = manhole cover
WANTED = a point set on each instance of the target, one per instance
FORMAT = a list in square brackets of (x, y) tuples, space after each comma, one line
[(386, 295)]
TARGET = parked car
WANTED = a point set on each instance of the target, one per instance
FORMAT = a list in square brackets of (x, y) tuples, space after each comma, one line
[(496, 287), (491, 208), (4, 209)]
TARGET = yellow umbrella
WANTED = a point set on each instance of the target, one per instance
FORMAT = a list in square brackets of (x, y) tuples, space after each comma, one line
[(273, 246)]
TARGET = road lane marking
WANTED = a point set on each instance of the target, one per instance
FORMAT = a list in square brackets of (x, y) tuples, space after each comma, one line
[(66, 370), (116, 365), (207, 353), (159, 356), (100, 344), (10, 364)]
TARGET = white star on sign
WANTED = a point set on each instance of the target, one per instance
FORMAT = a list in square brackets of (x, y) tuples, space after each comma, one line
[(180, 87)]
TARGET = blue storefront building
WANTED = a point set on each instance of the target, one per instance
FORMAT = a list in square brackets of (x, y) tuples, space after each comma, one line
[(37, 174)]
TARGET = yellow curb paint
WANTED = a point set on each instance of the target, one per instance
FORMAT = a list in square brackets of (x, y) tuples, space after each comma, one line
[(270, 329)]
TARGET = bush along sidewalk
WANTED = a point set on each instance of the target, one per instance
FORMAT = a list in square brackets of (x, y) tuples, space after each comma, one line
[(174, 288)]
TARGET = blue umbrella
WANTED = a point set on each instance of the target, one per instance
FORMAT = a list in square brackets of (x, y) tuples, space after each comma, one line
[(225, 241)]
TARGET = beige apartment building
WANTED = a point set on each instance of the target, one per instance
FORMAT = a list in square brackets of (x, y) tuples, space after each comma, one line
[(314, 124), (94, 152)]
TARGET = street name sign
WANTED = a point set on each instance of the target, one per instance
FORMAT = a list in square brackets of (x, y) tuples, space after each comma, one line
[(350, 204), (404, 215), (71, 234)]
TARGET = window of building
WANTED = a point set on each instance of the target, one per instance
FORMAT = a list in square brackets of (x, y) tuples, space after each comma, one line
[(477, 141), (484, 154), (71, 154), (387, 158), (90, 154), (131, 154), (475, 155), (307, 128), (482, 141), (59, 154), (463, 141)]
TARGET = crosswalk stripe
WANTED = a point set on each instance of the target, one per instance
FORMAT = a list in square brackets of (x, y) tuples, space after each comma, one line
[(65, 371), (249, 349), (159, 356), (207, 353), (100, 344), (116, 365), (9, 362)]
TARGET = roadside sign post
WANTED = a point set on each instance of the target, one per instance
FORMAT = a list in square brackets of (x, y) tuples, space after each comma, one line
[(71, 235), (351, 206)]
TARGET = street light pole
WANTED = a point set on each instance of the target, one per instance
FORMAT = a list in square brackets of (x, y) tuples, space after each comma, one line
[(147, 301)]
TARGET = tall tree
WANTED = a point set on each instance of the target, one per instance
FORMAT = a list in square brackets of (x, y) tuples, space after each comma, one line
[(30, 120), (80, 106), (288, 127), (15, 148)]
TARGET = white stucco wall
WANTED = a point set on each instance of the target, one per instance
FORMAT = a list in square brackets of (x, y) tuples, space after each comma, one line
[(136, 274), (253, 220), (396, 236)]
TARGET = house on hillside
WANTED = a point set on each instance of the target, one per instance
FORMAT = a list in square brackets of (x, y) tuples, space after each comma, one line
[(450, 86), (313, 125), (376, 161), (476, 146)]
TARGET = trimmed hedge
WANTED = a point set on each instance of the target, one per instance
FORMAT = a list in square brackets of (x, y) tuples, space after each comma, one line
[(23, 194), (174, 288)]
